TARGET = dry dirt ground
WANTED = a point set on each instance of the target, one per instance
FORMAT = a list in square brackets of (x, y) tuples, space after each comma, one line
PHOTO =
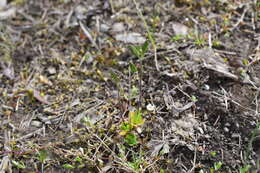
[(125, 86)]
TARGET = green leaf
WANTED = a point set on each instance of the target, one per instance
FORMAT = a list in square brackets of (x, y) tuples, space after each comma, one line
[(245, 61), (19, 165), (136, 50), (126, 126), (162, 171), (213, 153), (133, 68), (131, 139), (177, 37), (42, 156), (194, 98), (245, 169), (151, 38), (78, 159), (217, 165), (136, 118), (145, 47), (114, 77), (140, 51), (134, 91), (68, 166)]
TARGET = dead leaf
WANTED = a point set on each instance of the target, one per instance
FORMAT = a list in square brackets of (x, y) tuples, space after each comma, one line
[(210, 60)]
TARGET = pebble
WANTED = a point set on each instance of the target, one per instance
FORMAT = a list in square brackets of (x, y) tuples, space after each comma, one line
[(36, 123)]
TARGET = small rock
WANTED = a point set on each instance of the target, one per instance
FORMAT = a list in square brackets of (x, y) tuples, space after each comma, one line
[(7, 13), (118, 27), (3, 4), (180, 29), (227, 124), (150, 107), (81, 11), (134, 38), (51, 70), (104, 27), (226, 129), (36, 123)]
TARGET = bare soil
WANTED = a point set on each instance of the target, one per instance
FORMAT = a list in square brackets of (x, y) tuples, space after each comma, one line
[(68, 84)]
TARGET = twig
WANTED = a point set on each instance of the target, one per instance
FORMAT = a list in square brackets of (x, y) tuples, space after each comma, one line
[(210, 40), (87, 34), (118, 159), (31, 134), (241, 18), (194, 160)]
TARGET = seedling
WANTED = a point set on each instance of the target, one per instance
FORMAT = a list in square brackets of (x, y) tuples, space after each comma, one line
[(42, 156), (19, 165), (199, 42), (131, 139), (135, 120), (139, 51), (162, 171), (245, 169), (194, 98), (137, 162), (213, 153), (217, 166), (216, 43), (177, 37)]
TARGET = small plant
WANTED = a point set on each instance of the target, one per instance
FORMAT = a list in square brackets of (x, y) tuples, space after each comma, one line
[(216, 43), (245, 169), (194, 98), (80, 162), (155, 21), (177, 37), (19, 165), (42, 156), (139, 51), (136, 164), (199, 42), (217, 166), (162, 171), (77, 162), (135, 120), (131, 139), (213, 153)]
